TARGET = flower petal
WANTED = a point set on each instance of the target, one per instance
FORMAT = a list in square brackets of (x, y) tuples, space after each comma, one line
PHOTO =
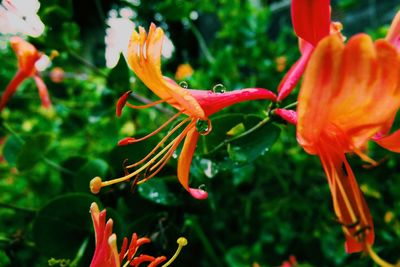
[(311, 19), (390, 142), (319, 85), (288, 115), (11, 88), (393, 36), (43, 93), (184, 161), (292, 77), (144, 57), (212, 102)]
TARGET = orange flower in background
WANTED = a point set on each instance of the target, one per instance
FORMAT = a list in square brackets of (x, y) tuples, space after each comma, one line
[(144, 57), (106, 251), (281, 63), (348, 94), (27, 56), (184, 71)]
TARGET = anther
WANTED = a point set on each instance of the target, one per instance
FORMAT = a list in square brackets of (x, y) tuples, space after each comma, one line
[(181, 243), (95, 185)]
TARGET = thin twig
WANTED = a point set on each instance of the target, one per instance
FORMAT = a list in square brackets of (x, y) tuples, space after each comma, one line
[(202, 42), (17, 208), (245, 133)]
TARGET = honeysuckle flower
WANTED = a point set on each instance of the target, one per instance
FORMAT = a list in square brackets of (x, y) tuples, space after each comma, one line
[(28, 56), (117, 38), (348, 94), (311, 22), (144, 57), (20, 17), (106, 252)]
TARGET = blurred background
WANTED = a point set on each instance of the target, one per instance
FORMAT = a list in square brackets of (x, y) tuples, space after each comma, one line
[(268, 199)]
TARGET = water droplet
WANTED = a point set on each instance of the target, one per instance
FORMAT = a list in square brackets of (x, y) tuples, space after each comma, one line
[(203, 126), (184, 84), (219, 88), (202, 187), (175, 155), (153, 194), (210, 168)]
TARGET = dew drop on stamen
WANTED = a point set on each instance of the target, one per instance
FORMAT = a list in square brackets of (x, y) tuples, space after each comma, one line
[(203, 127), (184, 84), (219, 88)]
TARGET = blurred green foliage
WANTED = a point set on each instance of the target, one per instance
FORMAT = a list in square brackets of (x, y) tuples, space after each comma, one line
[(268, 199)]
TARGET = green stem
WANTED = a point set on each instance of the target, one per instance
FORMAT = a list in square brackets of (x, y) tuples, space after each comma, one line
[(87, 63), (245, 133), (202, 42), (194, 225), (291, 105), (17, 208), (57, 166), (8, 128), (80, 253), (49, 162)]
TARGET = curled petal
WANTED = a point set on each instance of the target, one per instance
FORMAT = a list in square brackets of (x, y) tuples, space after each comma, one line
[(390, 142), (184, 161), (144, 57)]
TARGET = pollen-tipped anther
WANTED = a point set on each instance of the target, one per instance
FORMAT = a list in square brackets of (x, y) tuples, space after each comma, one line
[(127, 141), (181, 243), (95, 185)]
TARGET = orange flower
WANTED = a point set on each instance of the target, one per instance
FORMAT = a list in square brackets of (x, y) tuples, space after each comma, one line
[(27, 56), (144, 57), (348, 94), (106, 251), (183, 71)]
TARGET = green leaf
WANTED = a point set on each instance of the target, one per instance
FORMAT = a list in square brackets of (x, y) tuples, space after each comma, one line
[(92, 168), (253, 145), (33, 150), (157, 191), (11, 149), (62, 225)]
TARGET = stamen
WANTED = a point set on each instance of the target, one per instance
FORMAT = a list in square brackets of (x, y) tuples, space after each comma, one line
[(96, 183), (130, 140), (375, 257), (152, 104), (122, 102), (159, 144), (365, 157), (181, 243), (161, 163)]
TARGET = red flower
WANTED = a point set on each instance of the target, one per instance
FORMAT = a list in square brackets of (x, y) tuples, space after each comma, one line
[(27, 56), (106, 251)]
